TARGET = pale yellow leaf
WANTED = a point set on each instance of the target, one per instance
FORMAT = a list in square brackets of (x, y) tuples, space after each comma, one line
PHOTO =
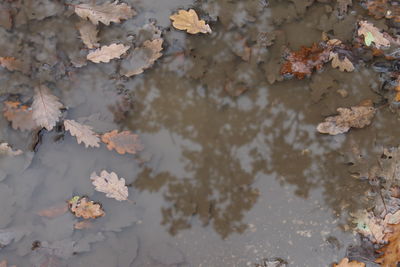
[(45, 108), (189, 21), (88, 33), (83, 133), (343, 65), (106, 53), (105, 13), (109, 184)]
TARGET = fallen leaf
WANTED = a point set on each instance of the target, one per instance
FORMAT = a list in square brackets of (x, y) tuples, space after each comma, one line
[(346, 263), (4, 264), (105, 13), (6, 150), (370, 226), (123, 142), (83, 225), (19, 115), (88, 33), (82, 207), (106, 53), (372, 34), (353, 117), (391, 252), (189, 21), (109, 184), (83, 133), (12, 64), (342, 6), (302, 63), (142, 58), (54, 211), (389, 9), (46, 108), (343, 65), (6, 20)]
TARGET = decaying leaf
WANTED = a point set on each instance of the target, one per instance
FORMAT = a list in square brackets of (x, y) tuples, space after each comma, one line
[(45, 108), (346, 263), (353, 117), (4, 264), (123, 142), (109, 184), (83, 207), (389, 9), (372, 34), (189, 21), (83, 133), (106, 53), (142, 58), (343, 64), (54, 211), (391, 252), (13, 64), (105, 13), (83, 225), (6, 150), (342, 6), (370, 226), (19, 115), (302, 63), (88, 33)]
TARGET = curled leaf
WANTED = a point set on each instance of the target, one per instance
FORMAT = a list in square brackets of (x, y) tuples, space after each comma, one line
[(46, 108), (19, 115), (123, 142), (105, 13), (189, 21), (83, 133), (109, 184), (106, 53), (83, 207)]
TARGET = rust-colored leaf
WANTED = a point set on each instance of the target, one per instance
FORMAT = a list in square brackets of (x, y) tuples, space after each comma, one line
[(389, 9), (346, 263), (54, 211), (83, 207), (19, 115), (13, 64), (302, 63), (123, 142), (391, 252)]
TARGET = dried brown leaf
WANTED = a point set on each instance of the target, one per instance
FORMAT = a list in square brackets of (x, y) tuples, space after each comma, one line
[(346, 263), (106, 53), (372, 34), (13, 64), (389, 9), (54, 211), (19, 115), (342, 6), (142, 58), (83, 133), (353, 117), (46, 108), (105, 13), (391, 252), (6, 150), (370, 226), (83, 207), (109, 184), (123, 142), (343, 65), (88, 33), (189, 21)]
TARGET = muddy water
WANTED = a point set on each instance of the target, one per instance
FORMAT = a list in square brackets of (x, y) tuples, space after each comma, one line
[(223, 180)]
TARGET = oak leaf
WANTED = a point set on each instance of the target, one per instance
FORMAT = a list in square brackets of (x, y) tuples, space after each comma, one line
[(12, 64), (54, 211), (123, 142), (88, 33), (46, 108), (372, 34), (370, 226), (106, 53), (142, 58), (105, 13), (83, 133), (389, 9), (19, 115), (343, 64), (346, 263), (391, 252), (353, 117), (5, 149), (83, 207), (109, 184), (189, 21)]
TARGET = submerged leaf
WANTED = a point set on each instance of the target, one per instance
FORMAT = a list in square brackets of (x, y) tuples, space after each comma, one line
[(82, 207), (19, 115), (109, 184), (88, 33), (123, 142), (4, 264), (83, 133), (189, 21), (106, 53), (105, 13), (54, 211), (353, 117), (46, 108), (12, 64)]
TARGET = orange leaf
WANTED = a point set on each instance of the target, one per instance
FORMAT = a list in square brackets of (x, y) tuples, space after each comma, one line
[(346, 263), (19, 115), (82, 207), (123, 142), (391, 252)]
